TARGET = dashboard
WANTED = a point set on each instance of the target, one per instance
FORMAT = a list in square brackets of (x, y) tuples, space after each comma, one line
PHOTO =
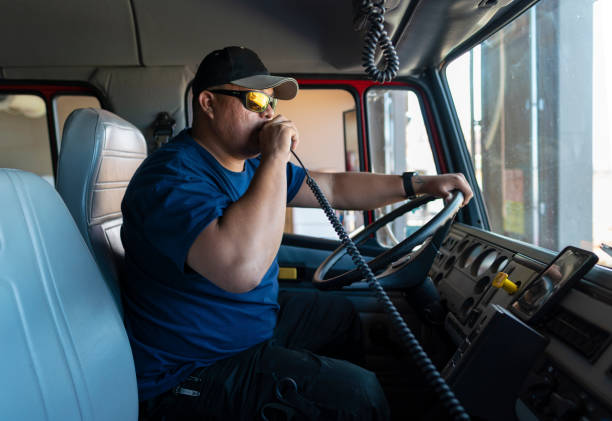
[(555, 367)]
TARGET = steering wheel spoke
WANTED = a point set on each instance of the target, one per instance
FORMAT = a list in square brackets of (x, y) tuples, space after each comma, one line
[(393, 260)]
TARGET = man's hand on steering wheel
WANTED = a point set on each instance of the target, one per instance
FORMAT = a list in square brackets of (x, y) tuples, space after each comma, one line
[(442, 186)]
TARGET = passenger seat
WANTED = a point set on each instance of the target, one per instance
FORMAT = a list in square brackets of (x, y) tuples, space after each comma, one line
[(99, 154), (65, 354)]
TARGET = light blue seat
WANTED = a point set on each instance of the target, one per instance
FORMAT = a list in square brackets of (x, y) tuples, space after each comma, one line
[(99, 154), (64, 354)]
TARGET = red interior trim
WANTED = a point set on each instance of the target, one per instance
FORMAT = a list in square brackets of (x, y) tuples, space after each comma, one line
[(361, 86), (47, 91)]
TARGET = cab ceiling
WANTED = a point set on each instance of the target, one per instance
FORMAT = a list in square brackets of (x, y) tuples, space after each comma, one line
[(313, 36)]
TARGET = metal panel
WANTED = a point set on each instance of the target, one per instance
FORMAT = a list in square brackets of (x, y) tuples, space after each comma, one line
[(67, 33), (310, 37)]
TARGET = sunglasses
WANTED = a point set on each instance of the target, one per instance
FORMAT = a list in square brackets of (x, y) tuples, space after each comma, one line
[(252, 100)]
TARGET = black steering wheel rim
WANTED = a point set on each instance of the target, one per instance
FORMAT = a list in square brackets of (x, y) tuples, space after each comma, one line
[(385, 258)]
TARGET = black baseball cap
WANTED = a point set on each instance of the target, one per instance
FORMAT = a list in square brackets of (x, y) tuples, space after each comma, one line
[(240, 66)]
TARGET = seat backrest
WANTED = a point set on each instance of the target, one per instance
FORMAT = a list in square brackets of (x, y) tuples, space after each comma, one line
[(99, 154), (64, 354)]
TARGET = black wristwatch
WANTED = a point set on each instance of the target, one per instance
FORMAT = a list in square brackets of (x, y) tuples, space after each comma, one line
[(407, 180)]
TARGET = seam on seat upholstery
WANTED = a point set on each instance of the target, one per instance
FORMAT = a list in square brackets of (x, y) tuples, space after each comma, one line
[(114, 214), (106, 183), (105, 151), (122, 154), (110, 188)]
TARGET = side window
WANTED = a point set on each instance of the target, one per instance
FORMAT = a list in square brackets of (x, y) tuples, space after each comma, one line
[(64, 105), (24, 136), (327, 121), (534, 102), (399, 142)]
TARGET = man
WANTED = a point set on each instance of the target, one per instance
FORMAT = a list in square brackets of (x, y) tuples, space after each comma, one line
[(203, 222)]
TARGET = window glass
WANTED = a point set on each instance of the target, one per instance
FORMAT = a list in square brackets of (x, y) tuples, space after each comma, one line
[(65, 104), (399, 142), (534, 102), (327, 122), (24, 136)]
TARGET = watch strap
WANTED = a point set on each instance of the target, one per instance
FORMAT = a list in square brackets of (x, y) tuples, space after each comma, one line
[(407, 180)]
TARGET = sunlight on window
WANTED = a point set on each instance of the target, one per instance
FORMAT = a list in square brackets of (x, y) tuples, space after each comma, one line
[(533, 103), (327, 122), (399, 142), (24, 136), (602, 129)]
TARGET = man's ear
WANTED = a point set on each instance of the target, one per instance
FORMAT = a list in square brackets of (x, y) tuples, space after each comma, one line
[(205, 101)]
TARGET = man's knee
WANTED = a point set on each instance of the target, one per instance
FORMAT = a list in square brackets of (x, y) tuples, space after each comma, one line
[(354, 393), (372, 398)]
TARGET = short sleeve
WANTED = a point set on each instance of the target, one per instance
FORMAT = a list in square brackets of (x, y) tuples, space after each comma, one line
[(295, 178), (175, 210)]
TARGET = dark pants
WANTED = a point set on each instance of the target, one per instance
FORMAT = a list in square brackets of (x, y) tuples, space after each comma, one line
[(287, 377)]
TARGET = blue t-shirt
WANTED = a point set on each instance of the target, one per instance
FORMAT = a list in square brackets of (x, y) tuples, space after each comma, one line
[(176, 319)]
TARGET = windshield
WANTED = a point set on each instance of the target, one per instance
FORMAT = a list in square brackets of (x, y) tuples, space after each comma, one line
[(535, 105)]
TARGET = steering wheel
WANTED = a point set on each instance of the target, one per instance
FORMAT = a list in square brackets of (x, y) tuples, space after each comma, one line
[(396, 258)]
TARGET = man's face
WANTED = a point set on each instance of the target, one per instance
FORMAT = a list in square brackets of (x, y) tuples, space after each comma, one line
[(236, 126)]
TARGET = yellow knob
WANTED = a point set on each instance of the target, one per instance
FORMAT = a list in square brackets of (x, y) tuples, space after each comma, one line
[(501, 281)]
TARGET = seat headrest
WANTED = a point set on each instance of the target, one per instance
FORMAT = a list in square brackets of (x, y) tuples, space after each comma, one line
[(99, 154)]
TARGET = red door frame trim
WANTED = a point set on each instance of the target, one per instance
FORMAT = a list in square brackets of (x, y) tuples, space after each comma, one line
[(361, 86)]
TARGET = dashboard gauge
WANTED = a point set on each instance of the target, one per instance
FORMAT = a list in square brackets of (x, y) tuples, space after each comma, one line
[(462, 246), (499, 264), (470, 255), (451, 244), (481, 285), (449, 263), (483, 263), (466, 306), (438, 278)]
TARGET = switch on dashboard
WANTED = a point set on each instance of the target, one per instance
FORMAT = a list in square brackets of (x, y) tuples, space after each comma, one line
[(502, 281)]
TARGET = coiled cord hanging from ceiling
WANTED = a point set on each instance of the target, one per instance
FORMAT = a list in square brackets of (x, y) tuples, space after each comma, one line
[(377, 36), (430, 372)]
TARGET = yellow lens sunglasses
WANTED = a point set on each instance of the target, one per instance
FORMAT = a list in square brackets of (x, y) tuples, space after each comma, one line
[(255, 101)]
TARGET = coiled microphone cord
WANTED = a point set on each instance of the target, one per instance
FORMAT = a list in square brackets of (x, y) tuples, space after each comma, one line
[(377, 36), (430, 372)]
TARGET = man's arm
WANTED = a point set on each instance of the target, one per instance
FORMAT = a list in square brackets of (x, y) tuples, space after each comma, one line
[(235, 250), (364, 191)]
